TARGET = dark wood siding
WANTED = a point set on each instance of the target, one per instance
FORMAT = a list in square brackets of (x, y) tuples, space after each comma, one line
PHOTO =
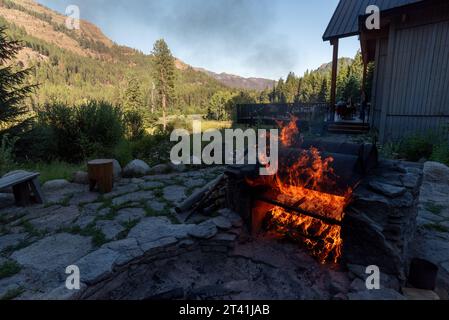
[(415, 92)]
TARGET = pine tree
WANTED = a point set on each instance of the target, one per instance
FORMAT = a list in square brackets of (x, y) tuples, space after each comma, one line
[(133, 99), (13, 89), (322, 95), (164, 74)]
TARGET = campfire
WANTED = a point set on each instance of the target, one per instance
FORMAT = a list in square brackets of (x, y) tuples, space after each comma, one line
[(336, 200), (297, 203)]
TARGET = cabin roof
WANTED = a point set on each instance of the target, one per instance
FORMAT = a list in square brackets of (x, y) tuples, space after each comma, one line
[(345, 21)]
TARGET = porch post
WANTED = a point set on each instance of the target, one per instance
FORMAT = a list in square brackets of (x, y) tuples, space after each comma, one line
[(334, 43)]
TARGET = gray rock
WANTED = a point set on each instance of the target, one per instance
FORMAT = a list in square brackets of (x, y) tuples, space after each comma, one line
[(135, 169), (233, 217), (433, 249), (156, 205), (85, 220), (436, 172), (121, 190), (160, 169), (357, 285), (338, 282), (80, 177), (151, 184), (158, 245), (6, 200), (54, 252), (155, 228), (11, 283), (222, 223), (177, 167), (60, 218), (174, 193), (382, 294), (92, 208), (55, 185), (129, 214), (128, 250), (116, 169), (82, 198), (133, 197), (445, 266), (104, 212), (387, 189), (445, 224), (61, 293), (205, 230), (357, 270), (10, 240), (192, 183), (97, 265), (110, 229)]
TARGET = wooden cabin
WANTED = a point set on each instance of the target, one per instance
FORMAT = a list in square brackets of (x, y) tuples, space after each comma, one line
[(410, 52)]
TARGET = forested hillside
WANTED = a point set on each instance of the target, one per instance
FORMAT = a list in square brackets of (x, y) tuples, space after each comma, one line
[(75, 65), (314, 86)]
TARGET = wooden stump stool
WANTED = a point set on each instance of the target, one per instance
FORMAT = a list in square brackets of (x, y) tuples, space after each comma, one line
[(101, 174)]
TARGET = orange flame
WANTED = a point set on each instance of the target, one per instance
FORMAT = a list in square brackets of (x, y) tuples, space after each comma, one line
[(301, 185), (289, 132)]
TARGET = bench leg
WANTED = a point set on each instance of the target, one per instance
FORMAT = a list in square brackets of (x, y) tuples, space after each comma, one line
[(36, 188), (22, 194)]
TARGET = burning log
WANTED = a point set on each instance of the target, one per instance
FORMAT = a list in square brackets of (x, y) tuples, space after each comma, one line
[(342, 172), (297, 210)]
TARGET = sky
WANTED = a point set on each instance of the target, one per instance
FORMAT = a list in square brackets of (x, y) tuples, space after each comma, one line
[(250, 38)]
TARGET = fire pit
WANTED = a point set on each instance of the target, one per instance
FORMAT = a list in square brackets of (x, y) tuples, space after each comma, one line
[(335, 199)]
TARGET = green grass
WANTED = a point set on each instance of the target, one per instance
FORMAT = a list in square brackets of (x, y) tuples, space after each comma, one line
[(10, 249), (9, 268), (128, 225), (53, 170), (12, 293), (31, 230), (436, 227), (434, 208), (98, 237), (158, 192)]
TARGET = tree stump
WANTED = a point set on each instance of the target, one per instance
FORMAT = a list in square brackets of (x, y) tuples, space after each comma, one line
[(101, 175)]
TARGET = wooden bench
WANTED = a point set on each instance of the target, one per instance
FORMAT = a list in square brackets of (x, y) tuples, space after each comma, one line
[(25, 186)]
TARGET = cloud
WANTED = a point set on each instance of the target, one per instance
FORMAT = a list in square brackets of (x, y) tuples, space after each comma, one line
[(232, 34)]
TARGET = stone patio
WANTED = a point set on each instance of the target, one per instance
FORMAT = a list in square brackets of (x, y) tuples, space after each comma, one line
[(130, 244)]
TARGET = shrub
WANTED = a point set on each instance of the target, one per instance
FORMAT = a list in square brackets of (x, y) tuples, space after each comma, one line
[(153, 148), (430, 146), (134, 124), (6, 154), (440, 153), (75, 133), (416, 147), (123, 152)]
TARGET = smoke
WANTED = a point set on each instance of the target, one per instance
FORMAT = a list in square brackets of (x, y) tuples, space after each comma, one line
[(237, 34)]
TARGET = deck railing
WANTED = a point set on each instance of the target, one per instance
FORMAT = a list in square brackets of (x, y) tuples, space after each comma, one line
[(251, 113)]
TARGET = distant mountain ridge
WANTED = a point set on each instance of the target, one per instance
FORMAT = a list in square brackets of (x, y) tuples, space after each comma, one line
[(238, 82)]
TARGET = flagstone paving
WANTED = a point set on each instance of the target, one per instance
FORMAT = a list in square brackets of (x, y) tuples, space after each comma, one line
[(94, 231), (130, 244)]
